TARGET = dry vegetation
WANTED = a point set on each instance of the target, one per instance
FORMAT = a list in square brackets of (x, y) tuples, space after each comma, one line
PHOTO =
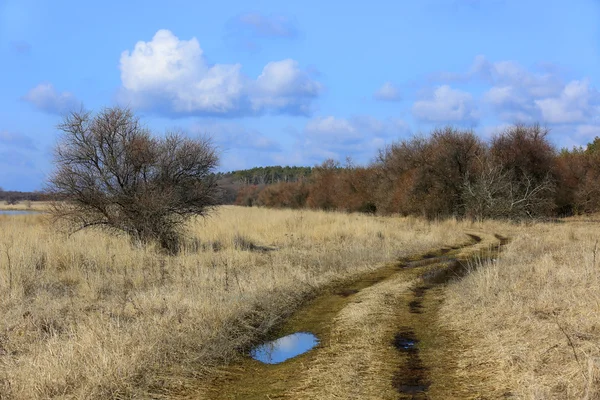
[(90, 316), (530, 321), (26, 205)]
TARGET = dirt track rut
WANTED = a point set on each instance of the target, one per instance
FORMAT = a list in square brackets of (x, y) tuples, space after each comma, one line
[(379, 338)]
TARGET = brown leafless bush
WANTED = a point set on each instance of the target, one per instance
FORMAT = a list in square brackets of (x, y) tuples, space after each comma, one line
[(112, 173), (431, 170), (496, 192)]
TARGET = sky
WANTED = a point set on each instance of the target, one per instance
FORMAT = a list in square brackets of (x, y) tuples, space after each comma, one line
[(296, 82)]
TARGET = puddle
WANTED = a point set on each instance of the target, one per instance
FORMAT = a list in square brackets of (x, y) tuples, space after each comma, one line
[(405, 341), (16, 212), (411, 379), (284, 348)]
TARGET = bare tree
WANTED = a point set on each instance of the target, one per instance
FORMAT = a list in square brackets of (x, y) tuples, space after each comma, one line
[(426, 174), (496, 192), (111, 173)]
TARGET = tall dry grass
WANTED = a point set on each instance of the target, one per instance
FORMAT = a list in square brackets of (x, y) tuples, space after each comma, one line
[(26, 205), (530, 320), (90, 316)]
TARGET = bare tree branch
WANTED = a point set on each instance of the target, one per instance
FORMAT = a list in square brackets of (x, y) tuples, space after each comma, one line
[(111, 172)]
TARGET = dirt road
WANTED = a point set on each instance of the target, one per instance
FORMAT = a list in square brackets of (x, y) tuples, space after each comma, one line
[(379, 337)]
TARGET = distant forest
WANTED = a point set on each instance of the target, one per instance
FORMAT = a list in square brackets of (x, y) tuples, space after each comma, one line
[(14, 197), (518, 174), (231, 183)]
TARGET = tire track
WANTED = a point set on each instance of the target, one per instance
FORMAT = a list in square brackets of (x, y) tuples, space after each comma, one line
[(370, 335)]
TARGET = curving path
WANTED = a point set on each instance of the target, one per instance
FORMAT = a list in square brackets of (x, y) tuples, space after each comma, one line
[(379, 337)]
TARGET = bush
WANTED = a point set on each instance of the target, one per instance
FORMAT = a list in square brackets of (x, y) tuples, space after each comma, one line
[(112, 173)]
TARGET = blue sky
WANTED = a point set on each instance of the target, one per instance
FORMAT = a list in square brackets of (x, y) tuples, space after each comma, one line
[(294, 83)]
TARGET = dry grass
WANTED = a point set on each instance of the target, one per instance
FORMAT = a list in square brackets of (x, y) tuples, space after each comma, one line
[(26, 205), (89, 316), (530, 321)]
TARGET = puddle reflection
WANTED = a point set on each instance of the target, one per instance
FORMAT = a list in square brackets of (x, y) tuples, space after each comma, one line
[(284, 348)]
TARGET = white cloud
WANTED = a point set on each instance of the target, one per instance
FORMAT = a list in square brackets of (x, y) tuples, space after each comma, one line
[(354, 128), (499, 95), (511, 73), (171, 76), (517, 94), (231, 136), (446, 105), (535, 84), (283, 86), (358, 137), (239, 147), (338, 128), (387, 92), (511, 104), (569, 135), (45, 98), (540, 83), (577, 102)]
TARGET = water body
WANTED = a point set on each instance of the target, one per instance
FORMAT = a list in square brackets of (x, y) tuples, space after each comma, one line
[(17, 212), (284, 348)]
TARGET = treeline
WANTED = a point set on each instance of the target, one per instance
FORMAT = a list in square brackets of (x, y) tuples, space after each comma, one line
[(232, 182), (451, 172), (267, 175), (14, 197)]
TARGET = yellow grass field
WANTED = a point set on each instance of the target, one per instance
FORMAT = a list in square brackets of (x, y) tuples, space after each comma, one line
[(89, 316), (26, 206), (529, 322)]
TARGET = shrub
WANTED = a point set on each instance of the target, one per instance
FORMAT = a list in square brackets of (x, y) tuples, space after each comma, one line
[(111, 173)]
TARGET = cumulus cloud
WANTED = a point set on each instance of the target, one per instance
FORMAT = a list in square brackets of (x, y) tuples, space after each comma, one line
[(543, 82), (510, 73), (511, 104), (344, 130), (231, 136), (387, 92), (446, 105), (578, 102), (516, 94), (358, 137), (45, 98), (239, 146), (283, 87), (171, 76), (11, 139), (266, 26), (525, 99)]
